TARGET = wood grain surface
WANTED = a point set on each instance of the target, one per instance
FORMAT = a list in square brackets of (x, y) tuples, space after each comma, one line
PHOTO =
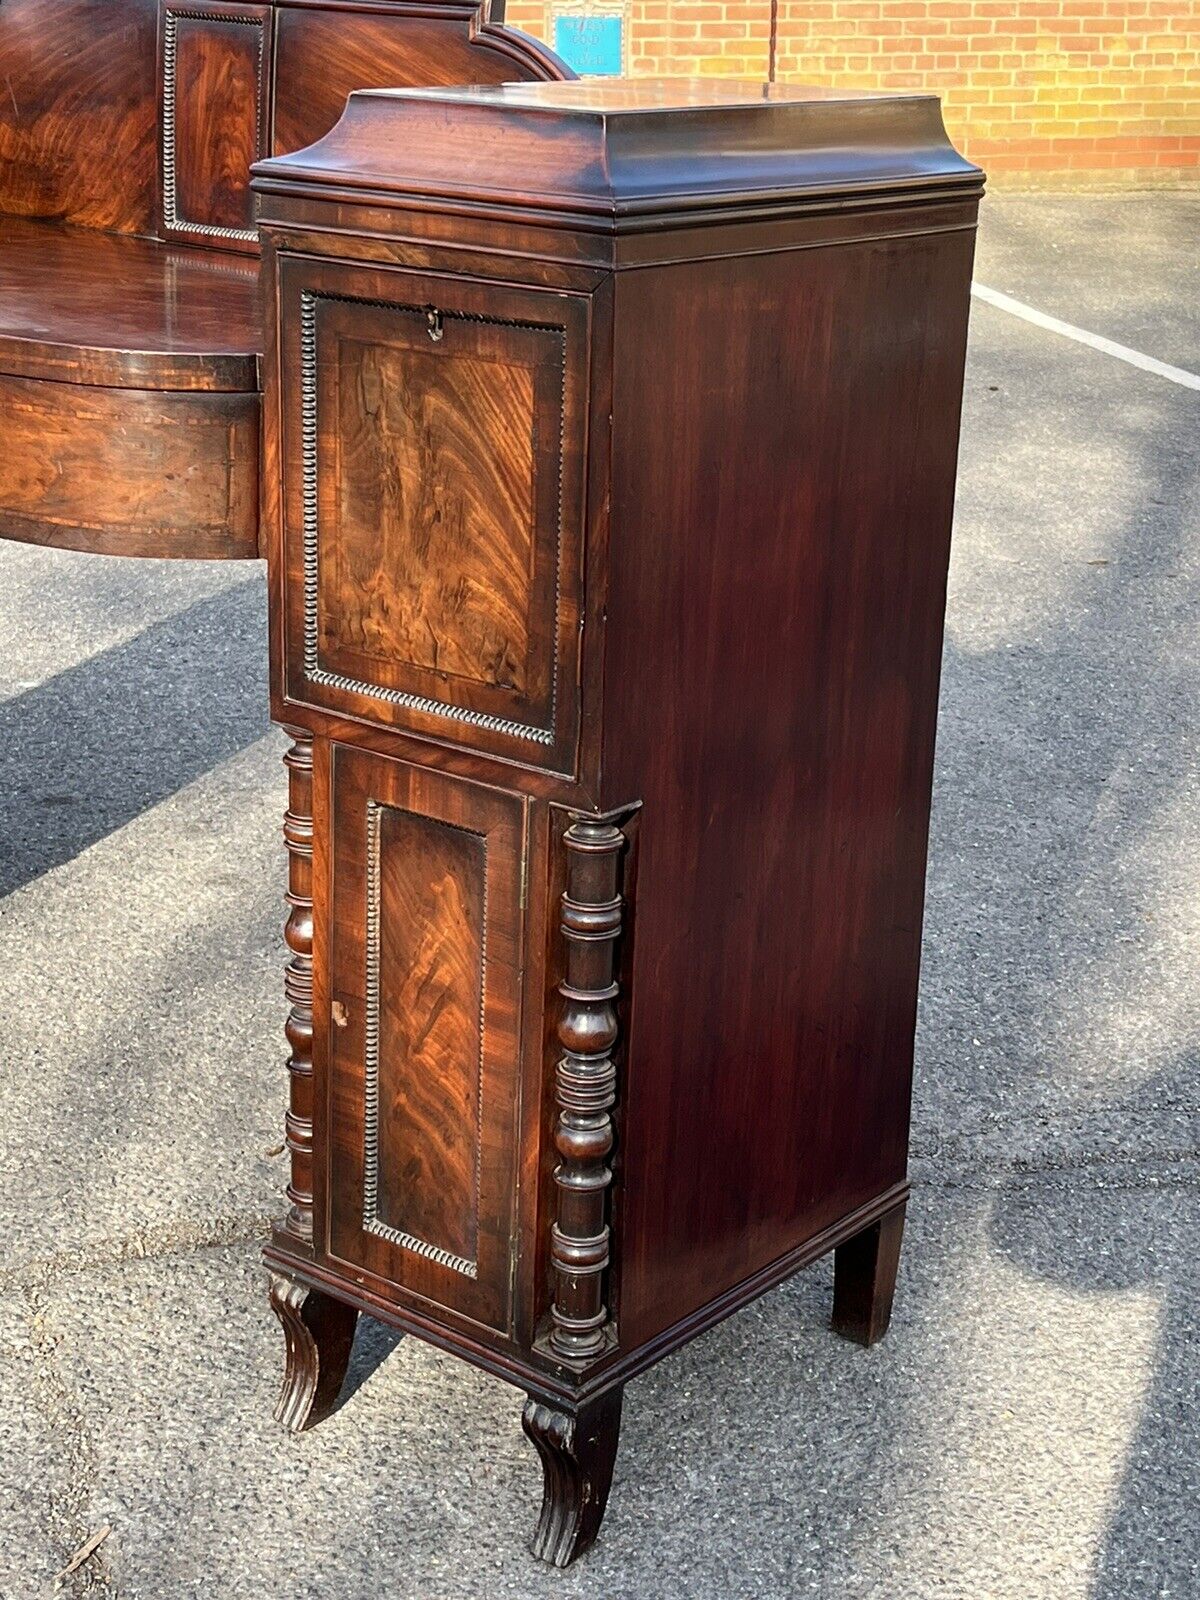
[(436, 532), (79, 306), (126, 472), (778, 575), (432, 891), (419, 933), (217, 80), (431, 559), (80, 117), (324, 54), (78, 123), (698, 1049)]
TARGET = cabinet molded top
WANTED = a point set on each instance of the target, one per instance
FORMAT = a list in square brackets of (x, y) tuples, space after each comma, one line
[(622, 155)]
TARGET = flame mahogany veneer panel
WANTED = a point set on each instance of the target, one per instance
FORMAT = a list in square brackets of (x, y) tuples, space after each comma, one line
[(78, 115), (432, 952), (116, 118), (423, 938), (216, 78), (321, 56), (435, 506), (431, 548), (143, 117)]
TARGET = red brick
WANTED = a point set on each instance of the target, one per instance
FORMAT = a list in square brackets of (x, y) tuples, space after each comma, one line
[(1107, 84)]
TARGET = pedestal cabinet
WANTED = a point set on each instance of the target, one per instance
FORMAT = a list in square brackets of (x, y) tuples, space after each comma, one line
[(611, 445)]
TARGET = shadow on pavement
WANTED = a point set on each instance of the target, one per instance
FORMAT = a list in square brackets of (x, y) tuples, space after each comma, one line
[(1057, 727), (85, 752)]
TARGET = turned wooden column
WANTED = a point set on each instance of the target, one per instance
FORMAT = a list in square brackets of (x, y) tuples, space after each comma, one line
[(585, 1085), (298, 982), (318, 1328)]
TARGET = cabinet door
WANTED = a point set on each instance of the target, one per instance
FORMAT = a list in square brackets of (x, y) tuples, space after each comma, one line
[(433, 506), (422, 961)]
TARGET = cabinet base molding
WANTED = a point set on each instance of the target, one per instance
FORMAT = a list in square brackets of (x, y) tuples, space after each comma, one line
[(575, 1434), (553, 1377)]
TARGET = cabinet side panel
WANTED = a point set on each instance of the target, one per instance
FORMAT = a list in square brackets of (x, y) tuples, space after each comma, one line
[(784, 455)]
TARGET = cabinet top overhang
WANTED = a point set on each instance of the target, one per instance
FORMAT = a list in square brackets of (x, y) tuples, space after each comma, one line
[(617, 154)]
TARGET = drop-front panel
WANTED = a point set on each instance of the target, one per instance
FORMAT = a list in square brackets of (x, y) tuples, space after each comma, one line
[(433, 433)]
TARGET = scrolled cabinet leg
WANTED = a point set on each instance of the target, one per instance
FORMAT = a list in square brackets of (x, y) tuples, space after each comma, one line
[(319, 1333), (578, 1449), (864, 1279)]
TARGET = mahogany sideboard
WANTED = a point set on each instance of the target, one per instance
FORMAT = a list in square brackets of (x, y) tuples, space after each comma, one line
[(130, 322), (611, 439)]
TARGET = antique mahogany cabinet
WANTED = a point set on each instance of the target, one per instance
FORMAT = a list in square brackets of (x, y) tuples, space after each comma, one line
[(610, 451)]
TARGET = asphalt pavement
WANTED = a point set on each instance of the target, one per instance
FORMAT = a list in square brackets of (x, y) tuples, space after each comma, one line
[(1030, 1430)]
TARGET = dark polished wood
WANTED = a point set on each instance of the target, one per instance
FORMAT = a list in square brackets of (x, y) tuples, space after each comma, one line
[(638, 854), (578, 1449), (434, 537), (127, 133), (78, 123), (129, 471), (422, 945), (791, 737), (326, 49), (434, 504), (78, 306), (603, 158), (318, 1331), (585, 1088), (298, 983), (865, 1279), (214, 114), (432, 983), (128, 394)]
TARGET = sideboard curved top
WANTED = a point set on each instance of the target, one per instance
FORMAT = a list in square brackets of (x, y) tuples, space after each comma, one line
[(130, 332)]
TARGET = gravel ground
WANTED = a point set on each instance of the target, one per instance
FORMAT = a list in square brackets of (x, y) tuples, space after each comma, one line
[(1029, 1430)]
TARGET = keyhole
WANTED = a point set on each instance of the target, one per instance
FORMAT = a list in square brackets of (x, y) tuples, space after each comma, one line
[(433, 324)]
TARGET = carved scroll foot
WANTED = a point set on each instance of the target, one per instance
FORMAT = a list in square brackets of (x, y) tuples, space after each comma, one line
[(578, 1449), (864, 1279), (319, 1332)]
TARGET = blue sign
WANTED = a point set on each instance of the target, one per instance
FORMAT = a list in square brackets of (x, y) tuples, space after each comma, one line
[(592, 46)]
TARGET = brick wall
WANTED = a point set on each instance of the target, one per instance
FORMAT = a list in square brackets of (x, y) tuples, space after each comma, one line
[(1090, 92)]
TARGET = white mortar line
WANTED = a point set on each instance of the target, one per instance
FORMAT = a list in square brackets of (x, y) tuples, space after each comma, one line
[(1135, 358)]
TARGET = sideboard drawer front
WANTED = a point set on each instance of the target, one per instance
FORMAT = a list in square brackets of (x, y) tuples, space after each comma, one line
[(424, 998), (433, 507)]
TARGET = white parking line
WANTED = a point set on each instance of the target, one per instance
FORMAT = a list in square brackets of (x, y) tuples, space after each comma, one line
[(1135, 358)]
